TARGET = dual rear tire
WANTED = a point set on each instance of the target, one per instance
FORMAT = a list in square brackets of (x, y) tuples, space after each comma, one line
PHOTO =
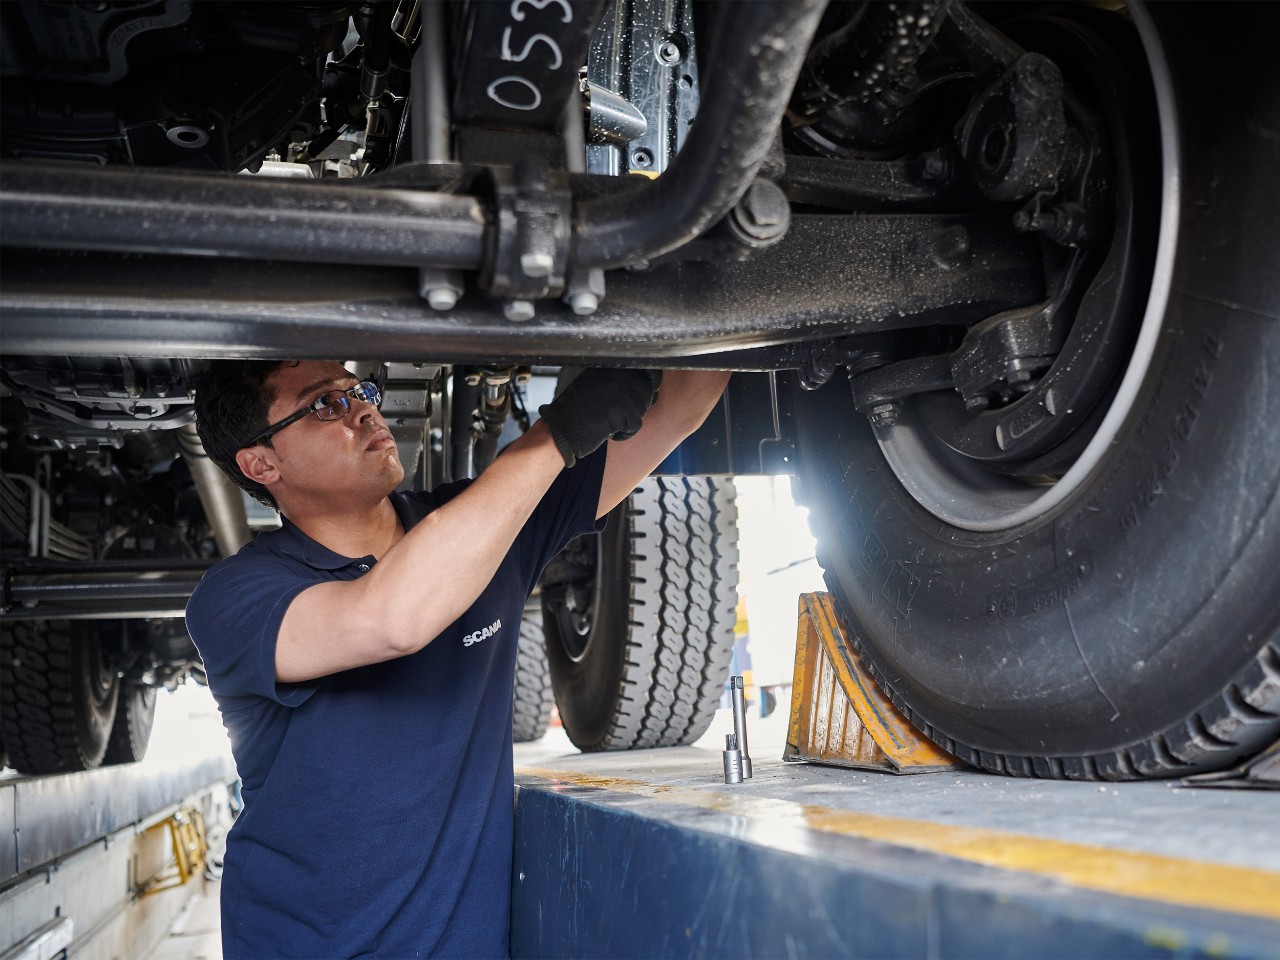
[(638, 620), (63, 707)]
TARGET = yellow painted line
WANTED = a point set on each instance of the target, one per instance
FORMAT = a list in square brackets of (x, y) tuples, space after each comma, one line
[(1192, 883)]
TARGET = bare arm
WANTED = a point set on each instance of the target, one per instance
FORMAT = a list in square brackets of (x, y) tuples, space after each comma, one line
[(427, 580), (684, 401)]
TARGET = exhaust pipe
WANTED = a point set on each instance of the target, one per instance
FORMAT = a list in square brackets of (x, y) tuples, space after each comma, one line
[(221, 499)]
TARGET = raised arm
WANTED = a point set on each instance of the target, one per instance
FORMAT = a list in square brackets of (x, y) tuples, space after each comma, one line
[(684, 401), (424, 582), (441, 566)]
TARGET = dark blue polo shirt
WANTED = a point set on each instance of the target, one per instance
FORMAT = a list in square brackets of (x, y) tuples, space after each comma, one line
[(378, 802)]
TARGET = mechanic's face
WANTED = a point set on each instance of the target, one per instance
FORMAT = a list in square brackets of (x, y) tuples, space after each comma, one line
[(327, 461)]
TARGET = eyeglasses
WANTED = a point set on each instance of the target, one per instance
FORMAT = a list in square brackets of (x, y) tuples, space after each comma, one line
[(333, 405)]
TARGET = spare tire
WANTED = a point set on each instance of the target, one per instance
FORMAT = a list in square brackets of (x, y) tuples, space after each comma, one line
[(1126, 624), (639, 619)]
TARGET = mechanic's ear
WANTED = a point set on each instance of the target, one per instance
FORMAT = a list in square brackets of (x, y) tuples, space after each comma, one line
[(256, 466)]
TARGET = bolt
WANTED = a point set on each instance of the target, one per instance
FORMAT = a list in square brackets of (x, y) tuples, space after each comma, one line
[(584, 303), (536, 264), (669, 52), (1039, 76), (518, 311), (1018, 376), (765, 204), (442, 298), (763, 214), (1067, 224), (935, 166), (884, 414)]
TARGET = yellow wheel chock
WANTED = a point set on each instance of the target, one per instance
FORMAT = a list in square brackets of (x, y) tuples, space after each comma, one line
[(838, 714)]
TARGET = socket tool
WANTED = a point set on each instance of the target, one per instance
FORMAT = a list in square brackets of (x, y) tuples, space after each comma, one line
[(732, 760), (740, 723)]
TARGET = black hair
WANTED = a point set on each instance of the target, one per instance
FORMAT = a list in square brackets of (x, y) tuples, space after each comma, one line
[(232, 406)]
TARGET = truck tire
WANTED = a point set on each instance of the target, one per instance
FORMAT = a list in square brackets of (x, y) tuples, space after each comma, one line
[(131, 730), (531, 698), (1129, 628), (639, 619), (59, 696)]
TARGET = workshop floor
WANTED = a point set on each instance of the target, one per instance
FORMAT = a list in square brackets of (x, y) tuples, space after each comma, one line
[(197, 933)]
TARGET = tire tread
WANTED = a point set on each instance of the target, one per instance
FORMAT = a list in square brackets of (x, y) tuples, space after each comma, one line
[(1241, 719), (37, 707), (531, 697), (680, 625)]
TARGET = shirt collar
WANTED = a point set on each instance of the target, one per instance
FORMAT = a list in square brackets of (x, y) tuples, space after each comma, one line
[(293, 543)]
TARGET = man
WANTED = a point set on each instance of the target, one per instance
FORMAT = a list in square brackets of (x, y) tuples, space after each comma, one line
[(363, 655)]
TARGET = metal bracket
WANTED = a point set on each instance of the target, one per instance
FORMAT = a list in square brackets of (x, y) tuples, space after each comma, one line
[(1015, 136), (999, 356), (529, 256), (878, 393)]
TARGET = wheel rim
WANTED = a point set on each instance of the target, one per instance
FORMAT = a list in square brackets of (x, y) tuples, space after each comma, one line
[(576, 605), (101, 678), (958, 490)]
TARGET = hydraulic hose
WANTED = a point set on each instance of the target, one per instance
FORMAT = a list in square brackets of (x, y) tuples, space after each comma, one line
[(763, 46)]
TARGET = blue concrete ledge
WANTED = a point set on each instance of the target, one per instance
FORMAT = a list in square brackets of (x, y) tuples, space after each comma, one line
[(610, 873)]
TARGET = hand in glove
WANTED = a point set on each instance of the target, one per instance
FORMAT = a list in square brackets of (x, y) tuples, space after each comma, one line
[(599, 405)]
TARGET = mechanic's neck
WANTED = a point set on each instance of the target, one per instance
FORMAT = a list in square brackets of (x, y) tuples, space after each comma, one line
[(356, 531)]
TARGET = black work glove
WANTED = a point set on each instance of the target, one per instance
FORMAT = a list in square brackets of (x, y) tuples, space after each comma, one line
[(599, 405)]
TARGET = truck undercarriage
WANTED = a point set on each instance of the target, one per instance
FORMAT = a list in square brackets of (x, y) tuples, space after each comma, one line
[(1000, 281)]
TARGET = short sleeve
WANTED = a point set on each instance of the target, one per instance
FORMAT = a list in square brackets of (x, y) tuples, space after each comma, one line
[(566, 511), (234, 617)]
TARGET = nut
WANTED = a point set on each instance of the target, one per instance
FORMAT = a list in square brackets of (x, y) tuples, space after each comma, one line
[(518, 311), (762, 215), (884, 414), (442, 298), (536, 264), (668, 52)]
